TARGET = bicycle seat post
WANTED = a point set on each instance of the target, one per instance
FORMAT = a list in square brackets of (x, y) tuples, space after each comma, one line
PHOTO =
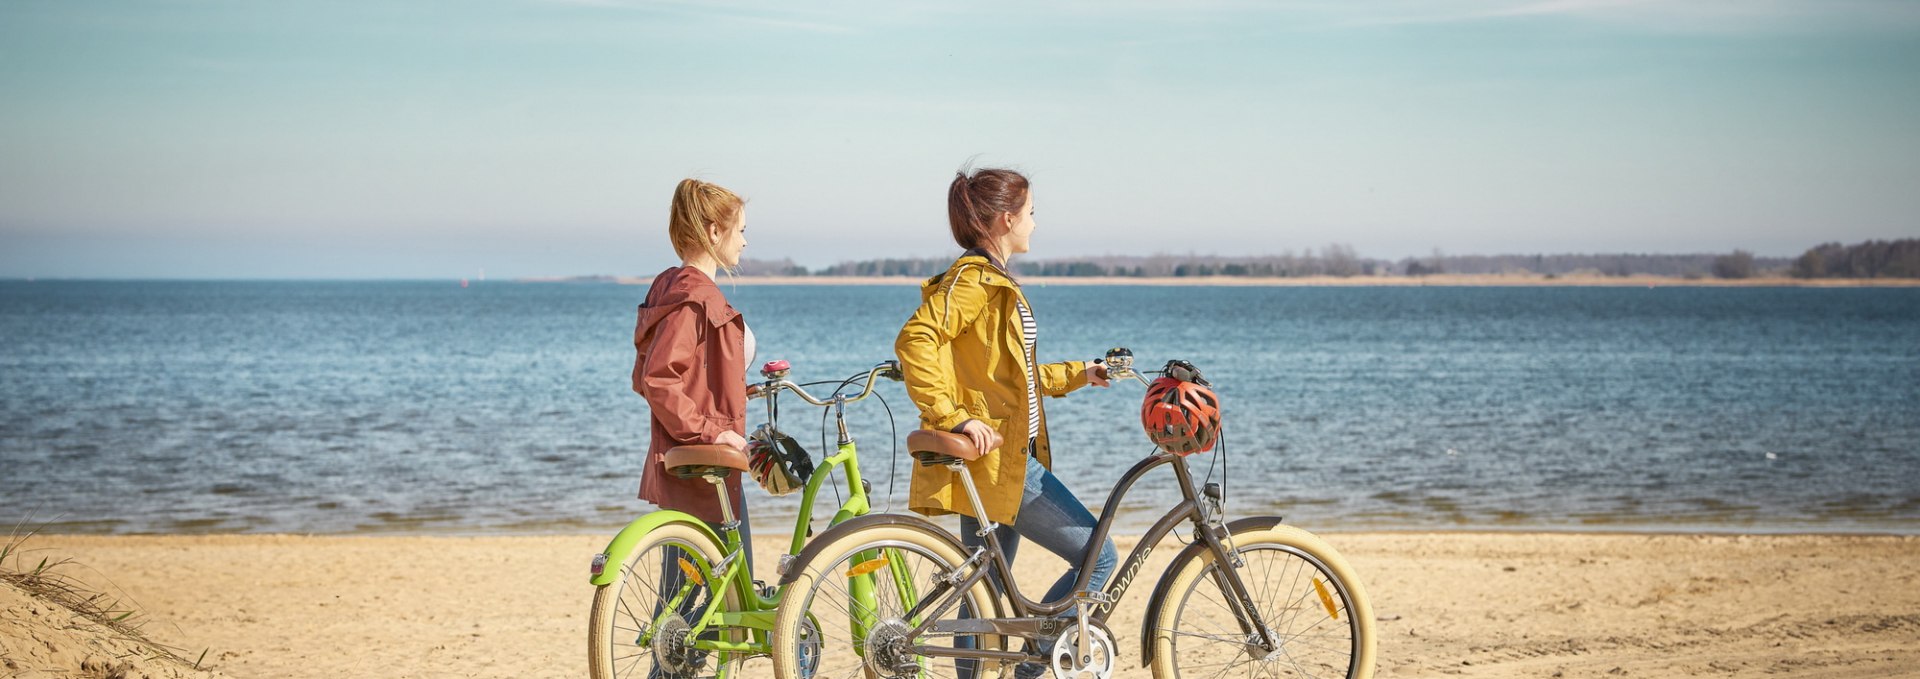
[(959, 468), (727, 522)]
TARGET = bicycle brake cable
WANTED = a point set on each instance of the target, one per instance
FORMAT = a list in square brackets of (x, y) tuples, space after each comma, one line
[(893, 461), (833, 481)]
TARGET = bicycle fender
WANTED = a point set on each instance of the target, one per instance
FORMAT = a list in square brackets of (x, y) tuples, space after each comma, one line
[(1192, 551), (623, 542), (856, 523)]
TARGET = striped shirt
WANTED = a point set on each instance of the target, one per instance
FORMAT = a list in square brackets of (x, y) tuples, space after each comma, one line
[(1029, 332)]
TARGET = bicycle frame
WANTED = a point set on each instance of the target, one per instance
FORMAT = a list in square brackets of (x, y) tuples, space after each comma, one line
[(1032, 619), (756, 613)]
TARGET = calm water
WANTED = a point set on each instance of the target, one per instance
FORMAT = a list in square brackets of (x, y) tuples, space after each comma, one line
[(424, 407)]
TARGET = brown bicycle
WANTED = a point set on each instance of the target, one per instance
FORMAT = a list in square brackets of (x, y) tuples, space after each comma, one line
[(1246, 597)]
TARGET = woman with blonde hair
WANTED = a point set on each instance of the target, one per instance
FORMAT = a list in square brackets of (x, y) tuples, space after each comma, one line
[(970, 360), (692, 350)]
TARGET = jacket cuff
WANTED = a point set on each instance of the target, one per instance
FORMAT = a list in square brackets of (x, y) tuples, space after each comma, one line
[(710, 428), (952, 418), (1076, 375)]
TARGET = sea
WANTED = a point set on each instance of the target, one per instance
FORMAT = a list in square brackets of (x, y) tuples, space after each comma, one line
[(433, 407)]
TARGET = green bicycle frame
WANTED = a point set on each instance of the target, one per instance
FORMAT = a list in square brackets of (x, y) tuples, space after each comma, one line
[(756, 612)]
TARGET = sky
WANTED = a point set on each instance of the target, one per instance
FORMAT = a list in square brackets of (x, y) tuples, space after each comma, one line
[(514, 138)]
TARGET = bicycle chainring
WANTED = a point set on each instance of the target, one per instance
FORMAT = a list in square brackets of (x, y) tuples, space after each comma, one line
[(1102, 654)]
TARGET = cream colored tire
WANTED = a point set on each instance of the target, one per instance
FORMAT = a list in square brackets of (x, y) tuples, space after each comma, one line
[(619, 606), (819, 596), (1195, 633)]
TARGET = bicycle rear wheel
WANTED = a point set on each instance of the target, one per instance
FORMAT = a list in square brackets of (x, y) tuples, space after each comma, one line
[(847, 613), (1304, 590), (639, 625)]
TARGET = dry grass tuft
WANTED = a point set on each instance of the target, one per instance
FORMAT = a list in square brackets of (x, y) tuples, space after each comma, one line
[(47, 581)]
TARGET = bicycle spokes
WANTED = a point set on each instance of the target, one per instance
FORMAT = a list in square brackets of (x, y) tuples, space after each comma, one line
[(861, 620), (1293, 599)]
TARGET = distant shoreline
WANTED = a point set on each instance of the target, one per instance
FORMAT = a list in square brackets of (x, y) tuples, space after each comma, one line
[(1436, 280)]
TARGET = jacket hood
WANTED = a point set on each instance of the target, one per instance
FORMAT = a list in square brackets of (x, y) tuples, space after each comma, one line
[(991, 274), (679, 286)]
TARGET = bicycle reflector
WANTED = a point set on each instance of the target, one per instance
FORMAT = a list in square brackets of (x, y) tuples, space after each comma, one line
[(1181, 416), (777, 462)]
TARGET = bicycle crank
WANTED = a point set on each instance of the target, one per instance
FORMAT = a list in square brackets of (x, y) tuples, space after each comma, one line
[(1098, 661)]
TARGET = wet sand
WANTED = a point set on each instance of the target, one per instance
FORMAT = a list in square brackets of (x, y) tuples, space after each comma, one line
[(1467, 604)]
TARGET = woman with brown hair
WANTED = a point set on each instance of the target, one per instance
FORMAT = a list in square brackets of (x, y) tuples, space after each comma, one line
[(692, 351), (970, 360)]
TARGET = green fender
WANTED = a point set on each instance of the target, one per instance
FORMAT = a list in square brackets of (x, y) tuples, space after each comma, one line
[(621, 548)]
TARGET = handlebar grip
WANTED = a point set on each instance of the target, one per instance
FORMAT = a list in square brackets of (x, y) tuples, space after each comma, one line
[(892, 371)]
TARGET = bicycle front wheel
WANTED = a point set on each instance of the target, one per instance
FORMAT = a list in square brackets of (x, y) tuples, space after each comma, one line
[(853, 607), (640, 622), (1305, 592)]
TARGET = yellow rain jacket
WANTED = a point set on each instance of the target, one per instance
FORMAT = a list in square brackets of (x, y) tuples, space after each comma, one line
[(963, 359)]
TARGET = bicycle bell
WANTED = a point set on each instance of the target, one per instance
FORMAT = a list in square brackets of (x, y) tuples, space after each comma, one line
[(1119, 362)]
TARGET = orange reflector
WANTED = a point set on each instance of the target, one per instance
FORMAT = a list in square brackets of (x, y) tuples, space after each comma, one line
[(694, 573), (866, 567), (1325, 599)]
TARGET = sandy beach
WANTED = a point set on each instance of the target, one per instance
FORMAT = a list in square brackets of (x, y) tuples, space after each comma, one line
[(1466, 604), (1437, 280)]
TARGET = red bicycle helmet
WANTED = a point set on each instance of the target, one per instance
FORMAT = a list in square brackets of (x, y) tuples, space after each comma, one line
[(1181, 417)]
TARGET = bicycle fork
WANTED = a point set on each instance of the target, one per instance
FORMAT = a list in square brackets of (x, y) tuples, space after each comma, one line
[(1261, 641)]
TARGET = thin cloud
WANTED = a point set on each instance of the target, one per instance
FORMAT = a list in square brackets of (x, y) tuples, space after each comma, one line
[(748, 13), (1703, 15)]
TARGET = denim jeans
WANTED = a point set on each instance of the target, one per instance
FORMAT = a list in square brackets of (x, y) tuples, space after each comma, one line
[(1053, 518), (672, 578)]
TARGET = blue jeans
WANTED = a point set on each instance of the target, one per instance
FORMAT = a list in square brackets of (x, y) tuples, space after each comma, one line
[(672, 578), (1053, 518)]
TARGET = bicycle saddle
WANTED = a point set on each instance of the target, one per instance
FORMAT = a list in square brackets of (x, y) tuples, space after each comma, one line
[(710, 459), (938, 447)]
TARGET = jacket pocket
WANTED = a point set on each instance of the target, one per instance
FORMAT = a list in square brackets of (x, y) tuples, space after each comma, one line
[(976, 404)]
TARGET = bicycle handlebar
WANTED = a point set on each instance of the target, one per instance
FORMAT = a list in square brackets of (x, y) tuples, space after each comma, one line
[(1119, 363), (888, 369)]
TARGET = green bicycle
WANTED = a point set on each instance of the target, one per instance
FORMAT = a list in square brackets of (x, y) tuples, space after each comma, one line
[(674, 599)]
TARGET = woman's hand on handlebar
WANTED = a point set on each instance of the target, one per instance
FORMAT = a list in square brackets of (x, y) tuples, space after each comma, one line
[(1097, 375), (732, 439), (983, 436)]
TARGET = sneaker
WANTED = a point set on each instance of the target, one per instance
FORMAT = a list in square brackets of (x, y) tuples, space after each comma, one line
[(1031, 670)]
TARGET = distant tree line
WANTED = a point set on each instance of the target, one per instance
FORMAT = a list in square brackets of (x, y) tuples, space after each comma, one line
[(1333, 260), (766, 267), (1872, 259), (1738, 264)]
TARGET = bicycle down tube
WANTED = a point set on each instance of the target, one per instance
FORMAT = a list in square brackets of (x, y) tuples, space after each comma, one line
[(1189, 510)]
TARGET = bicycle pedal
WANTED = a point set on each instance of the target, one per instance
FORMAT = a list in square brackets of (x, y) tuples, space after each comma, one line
[(1092, 597)]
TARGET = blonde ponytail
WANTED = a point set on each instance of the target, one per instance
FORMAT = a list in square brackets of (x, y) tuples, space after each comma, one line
[(697, 205)]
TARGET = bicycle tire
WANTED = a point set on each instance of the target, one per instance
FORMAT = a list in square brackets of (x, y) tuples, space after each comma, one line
[(1307, 593), (827, 567), (631, 591)]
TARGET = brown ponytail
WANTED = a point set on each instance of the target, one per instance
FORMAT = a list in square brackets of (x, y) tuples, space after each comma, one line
[(696, 205), (973, 202)]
